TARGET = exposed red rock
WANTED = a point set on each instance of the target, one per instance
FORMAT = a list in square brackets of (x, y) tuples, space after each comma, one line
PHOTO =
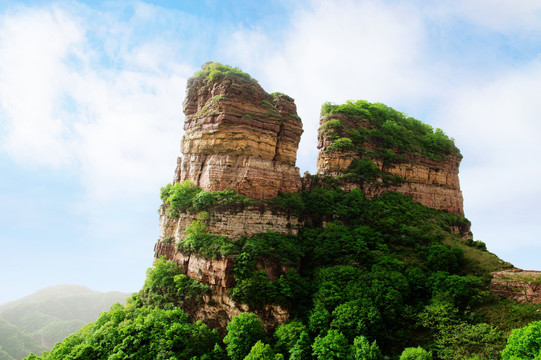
[(239, 137), (517, 284), (432, 183)]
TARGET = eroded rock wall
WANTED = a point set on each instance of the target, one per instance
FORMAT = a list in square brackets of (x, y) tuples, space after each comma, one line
[(432, 183), (217, 308), (232, 223), (239, 137), (517, 284)]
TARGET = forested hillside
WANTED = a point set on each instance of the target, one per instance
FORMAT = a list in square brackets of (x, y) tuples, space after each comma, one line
[(38, 321), (376, 276)]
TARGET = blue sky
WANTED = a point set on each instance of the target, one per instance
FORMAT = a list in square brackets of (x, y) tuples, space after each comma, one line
[(91, 116)]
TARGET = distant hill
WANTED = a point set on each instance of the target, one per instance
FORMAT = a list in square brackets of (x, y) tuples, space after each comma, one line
[(36, 322)]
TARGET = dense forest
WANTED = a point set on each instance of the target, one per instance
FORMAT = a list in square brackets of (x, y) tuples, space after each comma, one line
[(382, 277)]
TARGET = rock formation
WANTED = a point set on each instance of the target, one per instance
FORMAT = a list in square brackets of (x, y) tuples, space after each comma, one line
[(218, 308), (517, 284), (241, 138), (238, 137), (433, 183)]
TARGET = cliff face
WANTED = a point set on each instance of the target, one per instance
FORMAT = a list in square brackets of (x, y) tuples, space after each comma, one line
[(218, 308), (239, 137), (433, 183)]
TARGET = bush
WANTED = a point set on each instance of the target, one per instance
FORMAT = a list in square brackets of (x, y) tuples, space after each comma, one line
[(341, 144), (333, 345), (524, 343), (215, 70), (243, 332), (187, 196), (417, 353), (261, 351)]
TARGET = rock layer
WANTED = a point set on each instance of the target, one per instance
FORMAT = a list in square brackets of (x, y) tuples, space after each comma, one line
[(239, 137), (232, 223), (218, 308), (517, 284), (432, 183)]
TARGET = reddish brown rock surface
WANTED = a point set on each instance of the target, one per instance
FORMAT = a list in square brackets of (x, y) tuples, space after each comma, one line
[(517, 284), (217, 308), (239, 137), (432, 183)]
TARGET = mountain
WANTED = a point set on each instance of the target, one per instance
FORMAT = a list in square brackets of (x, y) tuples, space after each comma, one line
[(369, 258), (36, 322)]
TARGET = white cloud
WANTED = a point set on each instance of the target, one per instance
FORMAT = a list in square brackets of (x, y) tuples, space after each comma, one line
[(496, 123), (116, 115), (32, 77), (339, 51)]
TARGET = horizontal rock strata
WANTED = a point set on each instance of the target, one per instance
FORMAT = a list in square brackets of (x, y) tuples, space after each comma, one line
[(239, 137), (432, 183), (517, 284), (232, 223)]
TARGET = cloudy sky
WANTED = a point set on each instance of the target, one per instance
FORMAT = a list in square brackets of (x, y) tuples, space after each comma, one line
[(91, 117)]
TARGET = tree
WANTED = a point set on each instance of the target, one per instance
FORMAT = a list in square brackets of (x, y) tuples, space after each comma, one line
[(261, 351), (287, 335), (332, 346), (417, 353), (524, 343), (243, 332), (362, 350), (301, 350)]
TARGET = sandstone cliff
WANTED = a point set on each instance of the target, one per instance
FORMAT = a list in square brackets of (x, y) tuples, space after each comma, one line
[(237, 136), (398, 164), (241, 138), (218, 308)]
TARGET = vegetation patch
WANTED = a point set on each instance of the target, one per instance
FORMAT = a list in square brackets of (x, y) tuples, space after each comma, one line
[(215, 70), (181, 197), (390, 130)]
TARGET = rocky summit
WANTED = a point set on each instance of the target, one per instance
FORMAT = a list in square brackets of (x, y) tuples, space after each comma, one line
[(239, 137)]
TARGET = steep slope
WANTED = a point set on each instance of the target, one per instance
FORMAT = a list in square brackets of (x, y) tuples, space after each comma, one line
[(237, 136)]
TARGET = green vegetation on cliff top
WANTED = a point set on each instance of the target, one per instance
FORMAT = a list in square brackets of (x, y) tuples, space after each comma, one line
[(395, 134), (214, 70)]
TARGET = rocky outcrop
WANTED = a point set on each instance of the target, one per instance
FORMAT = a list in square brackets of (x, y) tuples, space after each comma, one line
[(217, 308), (232, 223), (430, 182), (239, 137), (517, 284)]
